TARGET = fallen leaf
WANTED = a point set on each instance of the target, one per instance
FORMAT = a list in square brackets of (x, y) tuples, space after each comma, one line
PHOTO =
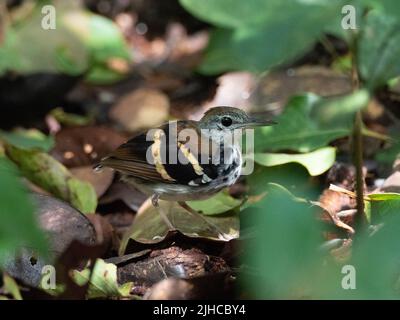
[(83, 146), (43, 170), (149, 227), (141, 109)]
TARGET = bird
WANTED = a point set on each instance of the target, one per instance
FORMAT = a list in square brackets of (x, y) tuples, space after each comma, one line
[(185, 160)]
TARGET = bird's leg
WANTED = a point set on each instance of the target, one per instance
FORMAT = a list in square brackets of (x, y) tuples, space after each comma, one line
[(221, 234), (154, 200)]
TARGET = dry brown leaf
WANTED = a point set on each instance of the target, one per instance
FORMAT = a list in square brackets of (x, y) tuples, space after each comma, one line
[(141, 109)]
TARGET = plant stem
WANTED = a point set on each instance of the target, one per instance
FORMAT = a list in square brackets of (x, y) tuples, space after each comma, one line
[(359, 219)]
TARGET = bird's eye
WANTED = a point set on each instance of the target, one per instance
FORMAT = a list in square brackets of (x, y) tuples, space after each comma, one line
[(226, 121)]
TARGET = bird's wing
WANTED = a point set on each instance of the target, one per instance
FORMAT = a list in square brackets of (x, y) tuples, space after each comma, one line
[(163, 155)]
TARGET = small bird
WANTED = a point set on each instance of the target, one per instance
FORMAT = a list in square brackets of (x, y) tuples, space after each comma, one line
[(185, 160)]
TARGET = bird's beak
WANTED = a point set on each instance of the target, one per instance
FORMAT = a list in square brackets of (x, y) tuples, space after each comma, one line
[(258, 121)]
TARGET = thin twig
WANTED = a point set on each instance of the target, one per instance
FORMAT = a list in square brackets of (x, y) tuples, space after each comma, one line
[(359, 218)]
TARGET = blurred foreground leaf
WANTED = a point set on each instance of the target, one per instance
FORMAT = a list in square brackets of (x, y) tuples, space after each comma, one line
[(316, 162), (28, 139), (256, 35), (284, 252), (376, 259), (102, 281), (81, 43), (379, 49), (389, 155), (18, 225), (49, 174)]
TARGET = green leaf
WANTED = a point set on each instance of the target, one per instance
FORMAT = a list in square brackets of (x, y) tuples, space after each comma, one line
[(18, 224), (220, 203), (28, 139), (220, 54), (103, 41), (244, 48), (383, 204), (379, 49), (297, 130), (384, 7), (376, 259), (292, 176), (82, 195), (285, 245), (258, 34), (310, 122), (102, 281), (339, 112), (49, 174), (233, 14), (389, 155), (316, 162), (70, 119), (81, 42), (56, 50), (384, 196)]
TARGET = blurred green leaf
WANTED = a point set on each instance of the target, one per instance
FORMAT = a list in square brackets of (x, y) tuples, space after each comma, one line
[(104, 43), (316, 162), (82, 195), (382, 204), (70, 119), (18, 225), (296, 130), (284, 254), (338, 112), (49, 174), (376, 259), (102, 281), (28, 139), (292, 176), (383, 196), (257, 34), (49, 50), (389, 155), (220, 203), (379, 49), (80, 42), (385, 7)]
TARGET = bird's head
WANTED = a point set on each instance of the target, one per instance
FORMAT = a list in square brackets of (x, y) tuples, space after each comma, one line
[(229, 118)]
